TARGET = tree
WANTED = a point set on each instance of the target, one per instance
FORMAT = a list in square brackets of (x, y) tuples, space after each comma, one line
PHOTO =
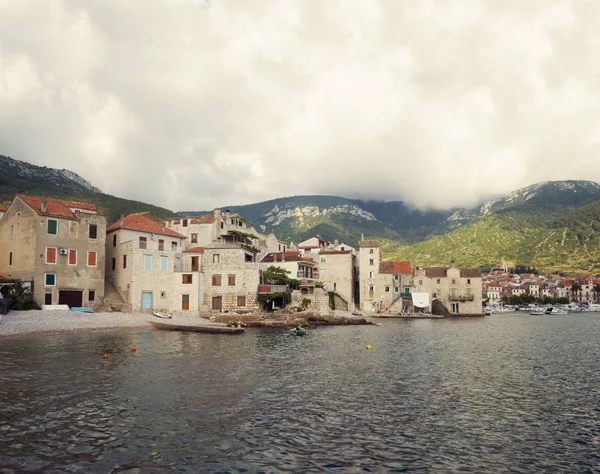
[(279, 276), (575, 289)]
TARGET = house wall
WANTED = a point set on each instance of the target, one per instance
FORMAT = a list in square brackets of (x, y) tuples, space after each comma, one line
[(336, 270), (29, 243), (369, 300), (445, 288), (231, 262)]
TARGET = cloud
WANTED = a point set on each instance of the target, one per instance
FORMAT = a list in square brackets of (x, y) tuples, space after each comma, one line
[(192, 104)]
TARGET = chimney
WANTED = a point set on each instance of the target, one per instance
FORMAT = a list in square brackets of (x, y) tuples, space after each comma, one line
[(451, 263), (227, 213), (336, 242), (217, 212), (43, 206)]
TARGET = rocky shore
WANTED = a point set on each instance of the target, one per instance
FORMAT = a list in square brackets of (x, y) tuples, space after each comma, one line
[(18, 323)]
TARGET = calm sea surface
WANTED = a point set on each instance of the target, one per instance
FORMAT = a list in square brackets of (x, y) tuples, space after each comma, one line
[(508, 393)]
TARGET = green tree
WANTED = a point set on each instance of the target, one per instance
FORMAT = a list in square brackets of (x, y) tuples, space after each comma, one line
[(575, 289)]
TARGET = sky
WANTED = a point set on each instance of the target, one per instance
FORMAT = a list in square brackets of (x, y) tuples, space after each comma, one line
[(192, 104)]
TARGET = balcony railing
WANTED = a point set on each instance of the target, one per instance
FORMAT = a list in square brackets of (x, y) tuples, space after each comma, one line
[(314, 275), (186, 268), (461, 296), (266, 289), (405, 294)]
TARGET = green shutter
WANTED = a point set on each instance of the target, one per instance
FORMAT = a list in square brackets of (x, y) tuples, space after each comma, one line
[(52, 226), (50, 279)]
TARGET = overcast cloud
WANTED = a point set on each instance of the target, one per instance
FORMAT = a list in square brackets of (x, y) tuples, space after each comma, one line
[(192, 104)]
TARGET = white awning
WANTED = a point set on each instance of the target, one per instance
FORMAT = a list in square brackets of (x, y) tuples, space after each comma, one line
[(420, 300)]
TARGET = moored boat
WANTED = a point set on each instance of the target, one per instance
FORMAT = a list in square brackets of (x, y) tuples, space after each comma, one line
[(297, 332), (204, 328)]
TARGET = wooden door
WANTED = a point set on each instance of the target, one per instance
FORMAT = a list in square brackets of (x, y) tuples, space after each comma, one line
[(185, 302), (195, 266), (217, 303), (72, 298)]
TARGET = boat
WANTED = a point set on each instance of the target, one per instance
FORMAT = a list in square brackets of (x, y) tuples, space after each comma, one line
[(213, 328), (538, 311), (553, 310), (81, 310), (158, 314), (297, 332)]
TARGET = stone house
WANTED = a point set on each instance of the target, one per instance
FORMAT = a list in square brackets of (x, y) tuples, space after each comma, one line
[(458, 289), (58, 245), (382, 285), (232, 277), (313, 245), (532, 289), (338, 271), (146, 265), (493, 292)]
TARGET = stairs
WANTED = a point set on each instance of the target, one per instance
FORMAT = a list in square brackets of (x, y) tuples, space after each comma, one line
[(113, 301)]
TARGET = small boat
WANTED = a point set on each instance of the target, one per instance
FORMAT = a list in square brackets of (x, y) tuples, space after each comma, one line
[(81, 310), (213, 328), (297, 332), (553, 310), (158, 314), (538, 311)]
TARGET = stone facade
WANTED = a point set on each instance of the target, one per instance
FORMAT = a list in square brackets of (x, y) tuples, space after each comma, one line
[(59, 245), (150, 271), (337, 271), (458, 289), (232, 277)]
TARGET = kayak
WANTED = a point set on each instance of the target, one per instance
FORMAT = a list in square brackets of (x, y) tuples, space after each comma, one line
[(297, 332)]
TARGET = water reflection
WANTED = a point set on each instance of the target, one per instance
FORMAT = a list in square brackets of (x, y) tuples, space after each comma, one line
[(495, 394)]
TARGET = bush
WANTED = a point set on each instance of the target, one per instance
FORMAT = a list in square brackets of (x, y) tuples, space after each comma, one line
[(25, 305)]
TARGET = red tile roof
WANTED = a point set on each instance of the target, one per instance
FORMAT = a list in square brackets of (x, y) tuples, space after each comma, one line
[(395, 268), (3, 209), (291, 256), (205, 219), (145, 222), (194, 250), (56, 207), (335, 252)]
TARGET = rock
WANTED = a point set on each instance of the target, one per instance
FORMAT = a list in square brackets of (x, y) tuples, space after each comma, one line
[(438, 309)]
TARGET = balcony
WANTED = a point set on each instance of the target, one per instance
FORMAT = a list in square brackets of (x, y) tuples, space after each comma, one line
[(405, 294), (457, 296), (186, 268), (266, 289), (314, 274)]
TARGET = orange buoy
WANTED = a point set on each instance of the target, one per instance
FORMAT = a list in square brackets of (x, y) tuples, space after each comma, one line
[(133, 349), (105, 356)]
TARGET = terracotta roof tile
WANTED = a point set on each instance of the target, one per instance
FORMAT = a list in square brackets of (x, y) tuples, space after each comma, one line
[(395, 268), (291, 256), (436, 272), (369, 243), (145, 222), (56, 207), (204, 219), (3, 209), (470, 273), (194, 250), (335, 252)]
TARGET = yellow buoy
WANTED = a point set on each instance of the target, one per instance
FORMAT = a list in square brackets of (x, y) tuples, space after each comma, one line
[(369, 346)]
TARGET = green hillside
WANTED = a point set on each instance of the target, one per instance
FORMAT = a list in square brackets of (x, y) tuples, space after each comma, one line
[(19, 177)]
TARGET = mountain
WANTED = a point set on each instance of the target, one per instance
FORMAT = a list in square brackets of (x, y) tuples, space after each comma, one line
[(19, 177), (545, 225), (553, 226), (301, 217)]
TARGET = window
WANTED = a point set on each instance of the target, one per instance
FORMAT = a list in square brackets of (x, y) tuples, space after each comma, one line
[(125, 261), (194, 238), (438, 281), (50, 254), (395, 277), (216, 258), (12, 230), (371, 275), (52, 228), (387, 289), (10, 259), (185, 222), (453, 281), (322, 259), (241, 224), (50, 279), (114, 240), (114, 264), (73, 257), (241, 301), (143, 242), (161, 245), (91, 260), (396, 289), (420, 282), (164, 261), (334, 286), (173, 246), (216, 280), (73, 229), (147, 262), (435, 295), (370, 250), (92, 296), (93, 231), (186, 279), (231, 280), (221, 225), (371, 289), (468, 281), (163, 294), (371, 262)]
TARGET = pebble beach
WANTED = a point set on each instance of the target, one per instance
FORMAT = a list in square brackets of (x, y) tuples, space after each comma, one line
[(17, 323)]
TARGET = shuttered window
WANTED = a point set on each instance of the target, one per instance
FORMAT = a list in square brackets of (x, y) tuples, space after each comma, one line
[(72, 257), (50, 254), (52, 228), (91, 260)]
